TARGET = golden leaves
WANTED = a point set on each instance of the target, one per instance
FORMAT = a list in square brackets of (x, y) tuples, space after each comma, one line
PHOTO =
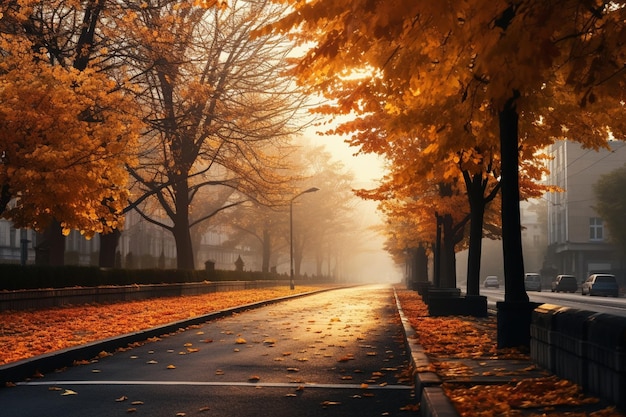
[(70, 137), (465, 337), (528, 393), (30, 333)]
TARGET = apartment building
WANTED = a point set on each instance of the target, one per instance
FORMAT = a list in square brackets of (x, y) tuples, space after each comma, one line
[(578, 240)]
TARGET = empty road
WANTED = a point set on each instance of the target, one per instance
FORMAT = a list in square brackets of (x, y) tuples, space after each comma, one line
[(337, 353)]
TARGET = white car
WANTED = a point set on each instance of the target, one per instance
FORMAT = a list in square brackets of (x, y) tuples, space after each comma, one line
[(491, 281)]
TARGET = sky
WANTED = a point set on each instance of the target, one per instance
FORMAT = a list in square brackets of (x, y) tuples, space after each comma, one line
[(374, 265)]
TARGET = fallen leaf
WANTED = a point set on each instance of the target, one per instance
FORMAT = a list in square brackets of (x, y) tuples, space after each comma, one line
[(122, 398), (69, 392), (171, 367)]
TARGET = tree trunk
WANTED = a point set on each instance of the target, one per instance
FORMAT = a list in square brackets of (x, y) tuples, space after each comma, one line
[(448, 255), (421, 264), (266, 251), (511, 225), (108, 247), (50, 248), (477, 215), (180, 229), (437, 254), (184, 248)]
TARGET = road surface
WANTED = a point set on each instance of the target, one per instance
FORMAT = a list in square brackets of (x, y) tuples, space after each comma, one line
[(609, 305), (337, 353)]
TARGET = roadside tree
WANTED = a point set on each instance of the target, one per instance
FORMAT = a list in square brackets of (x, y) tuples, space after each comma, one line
[(217, 106), (556, 67), (67, 131)]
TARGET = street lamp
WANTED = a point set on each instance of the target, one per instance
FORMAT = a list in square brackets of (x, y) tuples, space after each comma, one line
[(310, 190)]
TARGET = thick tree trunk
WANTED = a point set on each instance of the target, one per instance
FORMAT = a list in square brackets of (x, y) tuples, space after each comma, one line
[(180, 229), (511, 226), (420, 269), (184, 248), (50, 248), (108, 247), (477, 215)]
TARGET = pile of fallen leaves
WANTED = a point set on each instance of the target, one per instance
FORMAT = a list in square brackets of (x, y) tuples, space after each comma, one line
[(445, 339), (24, 334)]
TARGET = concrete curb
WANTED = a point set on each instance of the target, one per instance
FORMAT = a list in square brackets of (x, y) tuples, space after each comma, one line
[(428, 390), (50, 362)]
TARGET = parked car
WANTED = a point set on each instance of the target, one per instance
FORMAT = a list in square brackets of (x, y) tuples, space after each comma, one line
[(600, 284), (565, 283), (491, 282), (532, 281)]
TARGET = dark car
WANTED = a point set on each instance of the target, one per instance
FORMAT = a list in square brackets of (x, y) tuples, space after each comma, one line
[(565, 283), (601, 284), (532, 281)]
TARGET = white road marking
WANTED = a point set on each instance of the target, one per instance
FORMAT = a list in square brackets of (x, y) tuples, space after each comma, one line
[(223, 384)]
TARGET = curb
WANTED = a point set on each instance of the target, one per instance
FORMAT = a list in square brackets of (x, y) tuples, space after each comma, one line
[(428, 390), (52, 361)]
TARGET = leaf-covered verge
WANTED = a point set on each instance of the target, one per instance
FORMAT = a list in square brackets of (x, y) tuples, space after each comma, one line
[(24, 334), (445, 339)]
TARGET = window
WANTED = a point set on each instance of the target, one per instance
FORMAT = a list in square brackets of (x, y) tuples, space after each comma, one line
[(596, 229)]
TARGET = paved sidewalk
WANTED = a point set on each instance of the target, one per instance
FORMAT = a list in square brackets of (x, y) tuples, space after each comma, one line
[(336, 353)]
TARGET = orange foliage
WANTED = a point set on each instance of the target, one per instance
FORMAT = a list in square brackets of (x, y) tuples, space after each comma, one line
[(445, 338), (24, 334), (66, 138)]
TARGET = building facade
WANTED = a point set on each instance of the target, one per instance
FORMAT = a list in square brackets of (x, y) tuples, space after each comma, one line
[(578, 241), (142, 245)]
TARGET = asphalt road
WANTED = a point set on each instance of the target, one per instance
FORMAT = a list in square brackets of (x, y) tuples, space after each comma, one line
[(608, 305), (338, 353)]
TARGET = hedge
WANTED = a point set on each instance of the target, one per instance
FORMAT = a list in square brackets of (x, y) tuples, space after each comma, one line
[(17, 277)]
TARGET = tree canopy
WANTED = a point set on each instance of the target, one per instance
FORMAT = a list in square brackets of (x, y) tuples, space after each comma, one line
[(506, 77), (66, 137)]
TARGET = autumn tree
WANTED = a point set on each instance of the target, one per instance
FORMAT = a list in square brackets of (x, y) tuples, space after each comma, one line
[(217, 107), (66, 128), (531, 66), (328, 222), (322, 222)]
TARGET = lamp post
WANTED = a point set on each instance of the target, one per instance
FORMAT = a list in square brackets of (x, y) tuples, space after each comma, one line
[(310, 190)]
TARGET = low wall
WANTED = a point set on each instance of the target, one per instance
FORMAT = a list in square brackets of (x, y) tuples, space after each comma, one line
[(582, 346), (56, 297)]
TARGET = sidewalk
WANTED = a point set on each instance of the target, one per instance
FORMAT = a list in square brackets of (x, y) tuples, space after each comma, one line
[(484, 382)]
